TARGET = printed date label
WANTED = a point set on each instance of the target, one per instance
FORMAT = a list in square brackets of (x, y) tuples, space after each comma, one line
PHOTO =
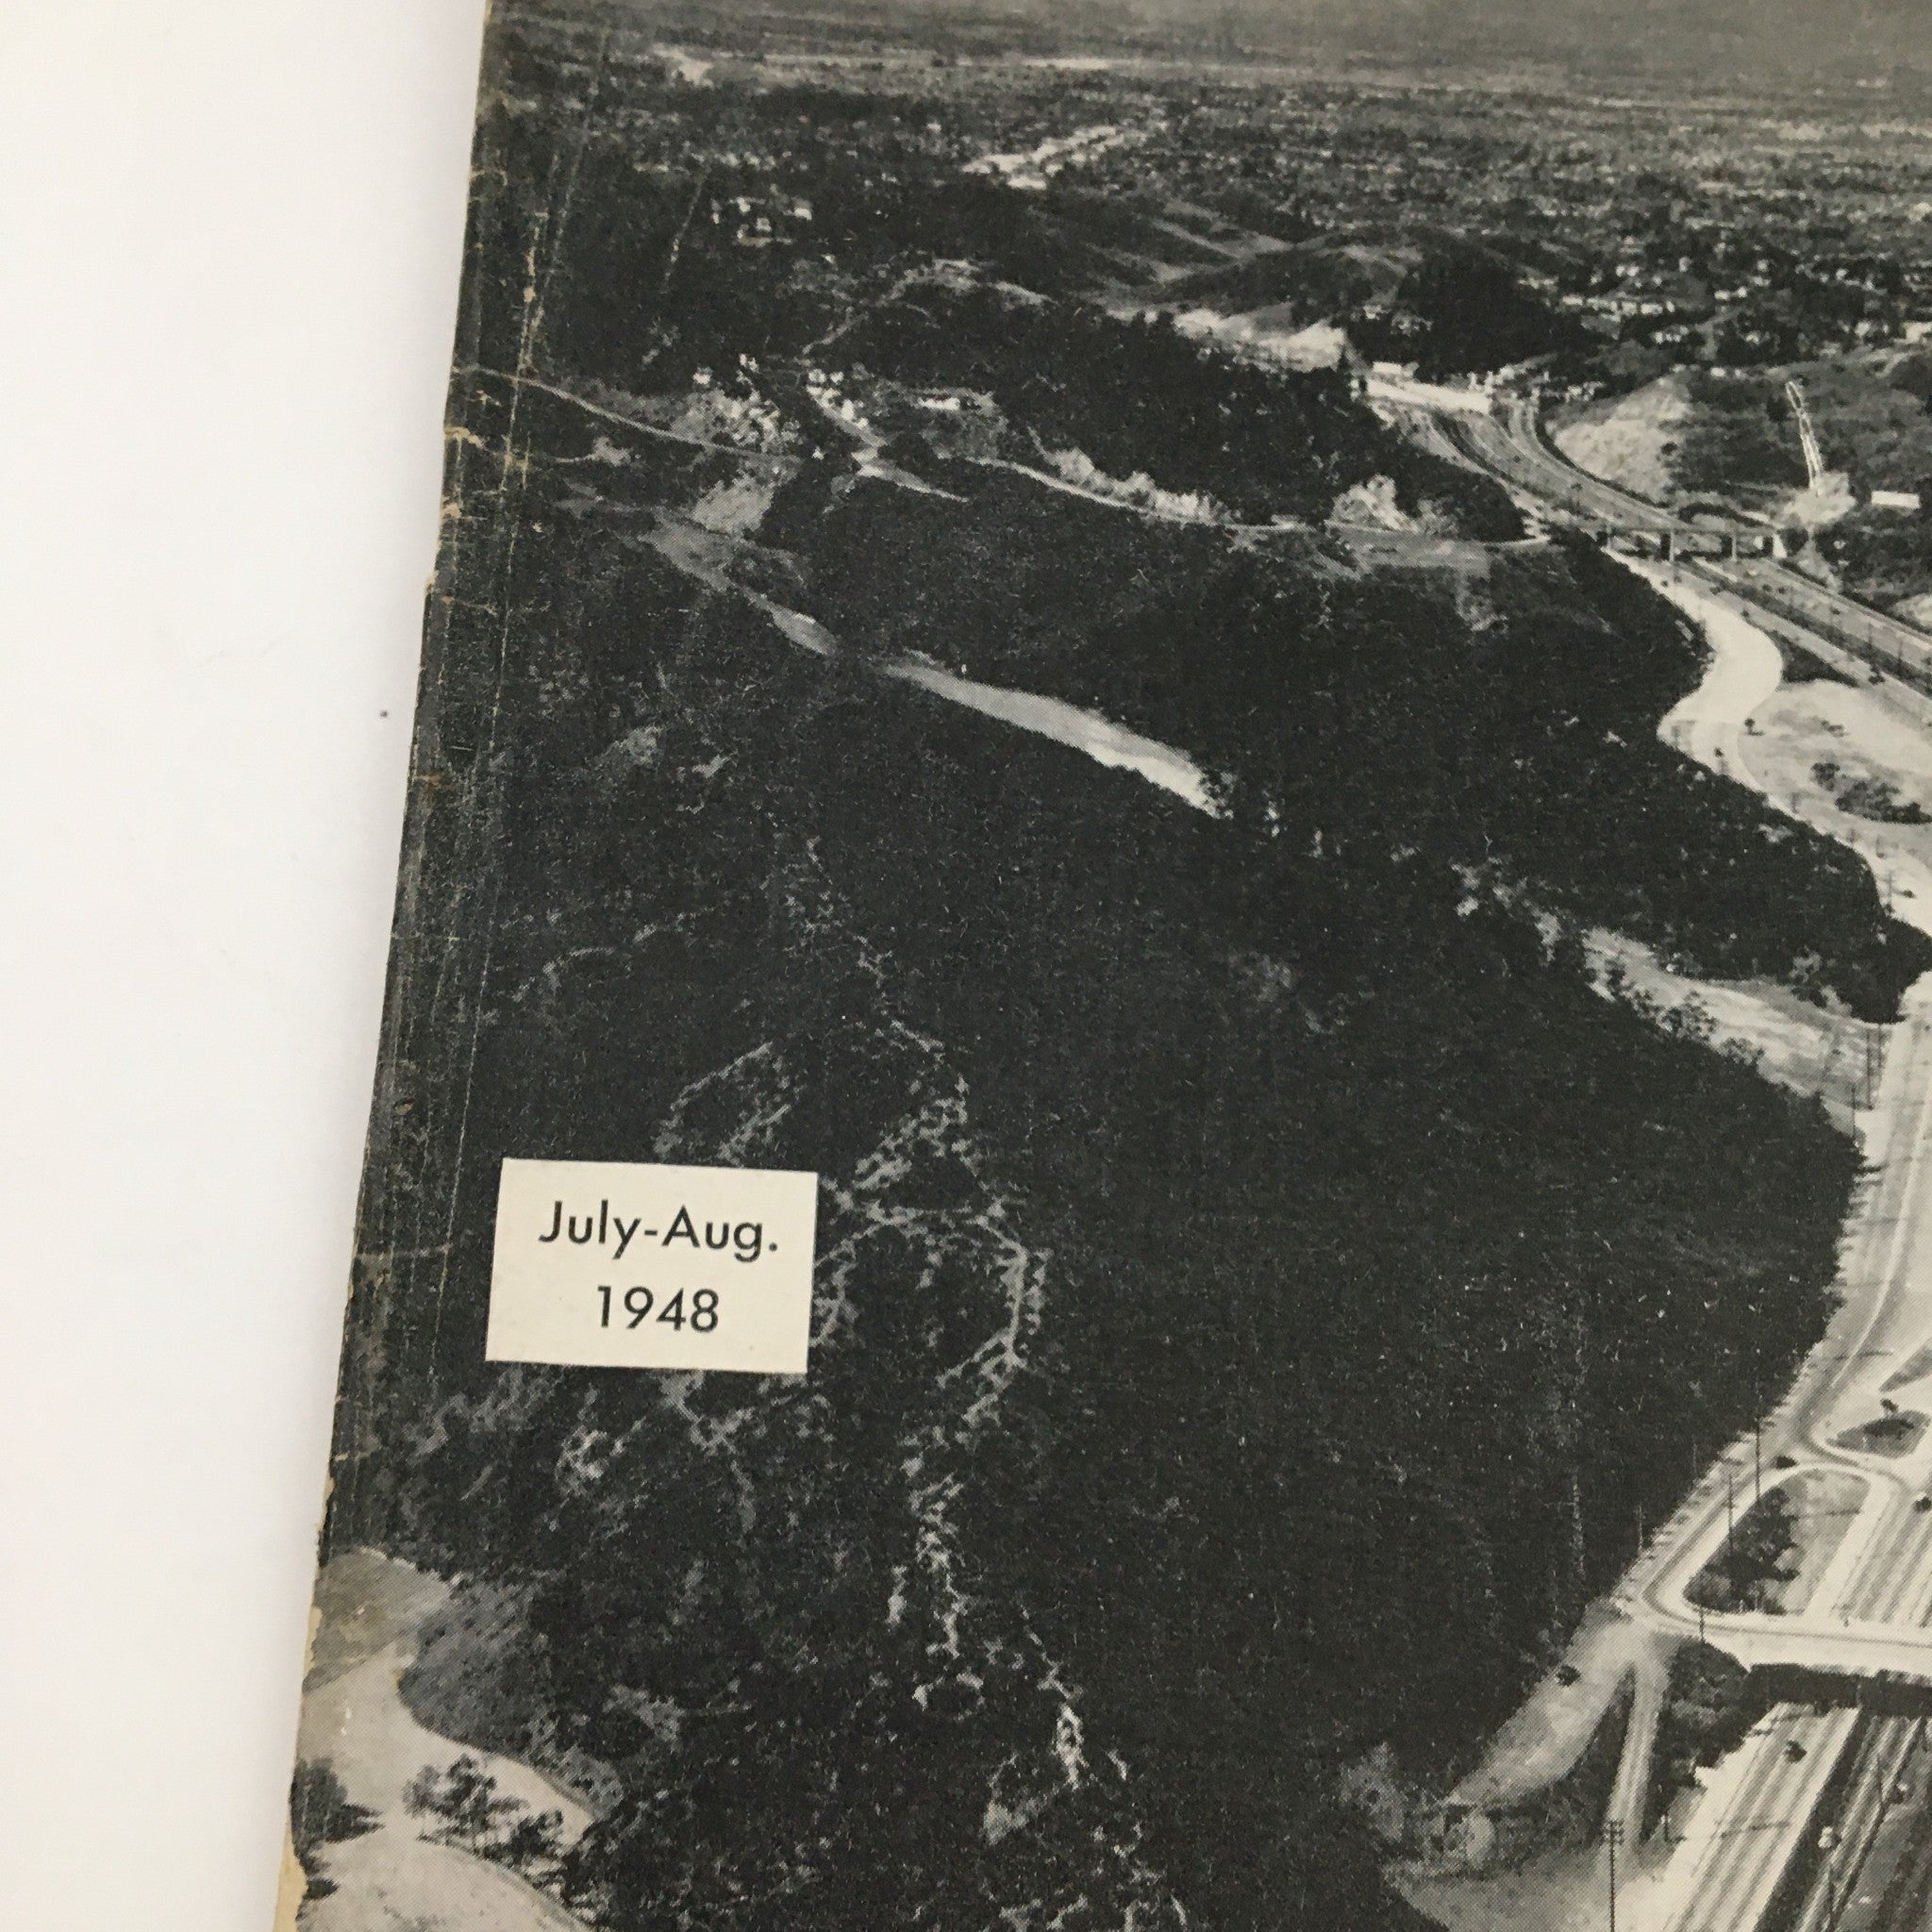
[(630, 1265)]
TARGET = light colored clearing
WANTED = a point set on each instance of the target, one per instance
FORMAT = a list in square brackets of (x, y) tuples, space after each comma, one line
[(1101, 739), (432, 1888), (739, 418), (1465, 1886), (1389, 383), (1744, 671), (1036, 166), (365, 1603), (354, 1719), (1770, 741), (1140, 489), (1132, 506), (1320, 345), (1818, 505), (1419, 550), (1836, 718), (1623, 441), (1806, 725), (636, 750), (679, 65), (806, 632), (1916, 611), (703, 554), (1371, 506), (1867, 791), (1561, 1891), (1790, 1041), (736, 507), (874, 465)]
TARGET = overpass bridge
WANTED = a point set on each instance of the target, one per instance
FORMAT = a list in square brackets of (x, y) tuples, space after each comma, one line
[(1509, 446), (1671, 541), (1735, 557)]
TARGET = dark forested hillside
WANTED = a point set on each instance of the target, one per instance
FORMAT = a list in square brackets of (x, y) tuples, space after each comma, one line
[(1506, 727), (910, 271), (1259, 1284), (1256, 1294), (1138, 397)]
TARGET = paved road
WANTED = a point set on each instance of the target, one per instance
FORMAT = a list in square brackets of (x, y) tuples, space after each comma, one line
[(1766, 1798), (1769, 1851), (1511, 449), (1869, 1614), (1878, 639), (1885, 1757), (1883, 1876), (1894, 1584)]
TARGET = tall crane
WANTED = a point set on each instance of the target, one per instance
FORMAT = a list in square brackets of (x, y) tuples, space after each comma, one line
[(1814, 457)]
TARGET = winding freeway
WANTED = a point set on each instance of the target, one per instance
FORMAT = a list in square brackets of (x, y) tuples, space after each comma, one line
[(1512, 448), (1781, 1835)]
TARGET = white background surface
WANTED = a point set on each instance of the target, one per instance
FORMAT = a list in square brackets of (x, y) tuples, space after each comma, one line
[(230, 233)]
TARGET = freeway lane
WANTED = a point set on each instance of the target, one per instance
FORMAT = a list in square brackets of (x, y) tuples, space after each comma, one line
[(1869, 1610), (1513, 452), (1513, 449), (1767, 1795), (1883, 1875), (1877, 1594), (1768, 1852), (1894, 1585), (1876, 636)]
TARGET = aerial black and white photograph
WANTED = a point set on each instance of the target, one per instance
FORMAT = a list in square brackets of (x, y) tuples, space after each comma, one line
[(1260, 676)]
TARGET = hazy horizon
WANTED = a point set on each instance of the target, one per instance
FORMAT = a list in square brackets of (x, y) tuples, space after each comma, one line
[(1708, 41)]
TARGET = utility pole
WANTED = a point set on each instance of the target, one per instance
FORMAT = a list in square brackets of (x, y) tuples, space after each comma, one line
[(1758, 1460), (1613, 1836), (1730, 1531)]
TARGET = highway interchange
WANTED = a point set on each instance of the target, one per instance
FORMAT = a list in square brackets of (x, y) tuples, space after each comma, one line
[(1783, 1829)]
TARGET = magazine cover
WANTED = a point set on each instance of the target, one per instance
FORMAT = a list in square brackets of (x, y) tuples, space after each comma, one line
[(1151, 1141)]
